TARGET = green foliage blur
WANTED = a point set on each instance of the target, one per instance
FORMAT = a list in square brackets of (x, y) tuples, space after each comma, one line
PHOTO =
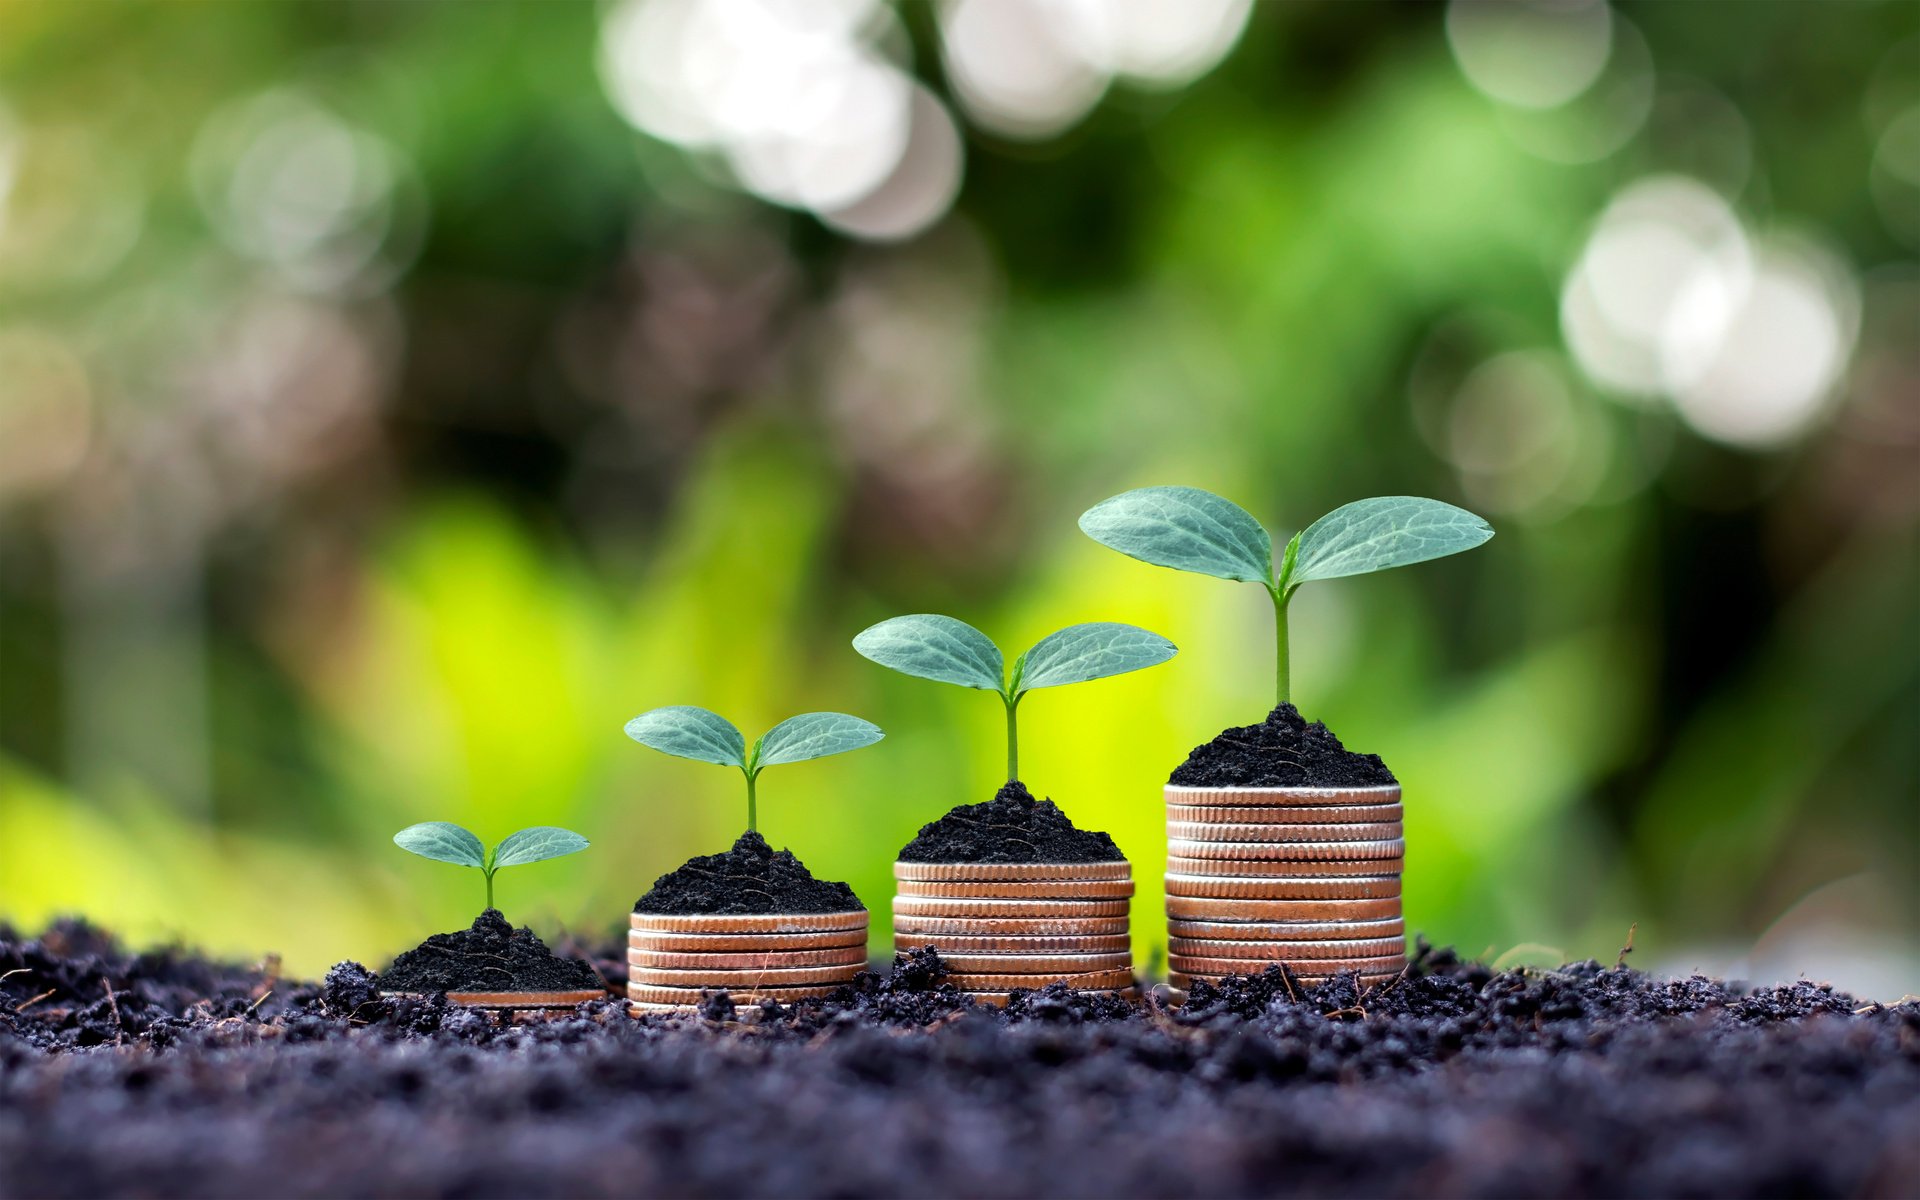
[(384, 420)]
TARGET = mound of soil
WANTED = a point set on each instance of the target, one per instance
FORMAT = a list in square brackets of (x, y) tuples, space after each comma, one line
[(492, 956), (163, 1074), (1282, 751), (750, 878), (1012, 827)]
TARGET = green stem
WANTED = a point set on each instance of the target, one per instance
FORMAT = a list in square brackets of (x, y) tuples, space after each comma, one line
[(489, 875), (753, 806), (1282, 666), (1013, 738)]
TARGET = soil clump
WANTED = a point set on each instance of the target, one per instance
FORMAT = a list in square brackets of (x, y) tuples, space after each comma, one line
[(1282, 751), (491, 956), (752, 878), (1012, 827)]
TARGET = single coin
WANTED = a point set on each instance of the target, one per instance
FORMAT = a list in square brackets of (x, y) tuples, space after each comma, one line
[(939, 927), (1258, 868), (749, 922), (706, 943), (1300, 797), (748, 978), (1210, 933), (980, 981), (654, 994), (1325, 814), (854, 955), (956, 906), (1370, 968), (1187, 907), (1292, 835), (1014, 945), (1288, 851), (1002, 999), (1282, 888), (1180, 949), (1001, 872), (662, 1010), (1024, 889), (1031, 964)]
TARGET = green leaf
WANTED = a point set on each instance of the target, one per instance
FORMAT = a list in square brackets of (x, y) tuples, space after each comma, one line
[(688, 732), (444, 842), (815, 735), (1186, 529), (929, 646), (1092, 651), (535, 844), (1386, 531)]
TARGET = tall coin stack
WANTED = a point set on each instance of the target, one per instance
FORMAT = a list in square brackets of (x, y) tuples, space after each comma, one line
[(1001, 927), (1308, 877), (671, 960)]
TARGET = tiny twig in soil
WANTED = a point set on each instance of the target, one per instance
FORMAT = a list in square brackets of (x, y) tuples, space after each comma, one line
[(259, 1002), (1628, 948), (16, 971), (119, 1029), (20, 1008)]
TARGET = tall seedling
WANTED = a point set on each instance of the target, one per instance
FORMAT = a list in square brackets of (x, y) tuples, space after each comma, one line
[(688, 732), (946, 650), (1191, 530)]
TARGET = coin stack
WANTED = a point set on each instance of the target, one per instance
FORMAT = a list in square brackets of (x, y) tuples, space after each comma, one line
[(1309, 877), (672, 960), (1001, 927)]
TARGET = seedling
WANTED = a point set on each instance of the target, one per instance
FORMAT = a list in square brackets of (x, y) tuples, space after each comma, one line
[(443, 841), (946, 650), (1191, 530), (688, 732)]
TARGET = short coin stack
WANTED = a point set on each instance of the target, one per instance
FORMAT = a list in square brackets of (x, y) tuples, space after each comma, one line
[(1308, 877), (1001, 927), (671, 960)]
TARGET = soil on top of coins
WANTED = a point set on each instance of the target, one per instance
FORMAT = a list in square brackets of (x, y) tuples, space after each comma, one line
[(752, 878), (1282, 751), (1012, 827), (492, 956), (164, 1074)]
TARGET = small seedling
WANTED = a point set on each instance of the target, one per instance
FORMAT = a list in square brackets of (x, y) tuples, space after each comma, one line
[(1191, 530), (946, 650), (688, 732), (443, 841)]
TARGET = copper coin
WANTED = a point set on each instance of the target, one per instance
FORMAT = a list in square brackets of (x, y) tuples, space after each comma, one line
[(1314, 970), (1002, 872), (1190, 908), (1015, 945), (653, 994), (709, 943), (743, 961), (1185, 953), (1286, 797), (1347, 814), (969, 981), (1024, 889), (954, 906), (1288, 851), (937, 927), (748, 978), (1036, 964), (749, 922), (1254, 868), (1282, 888), (1212, 933), (1214, 831)]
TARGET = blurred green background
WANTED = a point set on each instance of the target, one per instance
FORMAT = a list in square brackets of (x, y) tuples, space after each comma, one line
[(395, 398)]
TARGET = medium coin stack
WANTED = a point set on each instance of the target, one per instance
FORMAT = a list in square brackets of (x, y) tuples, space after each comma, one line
[(1309, 877), (1001, 927), (671, 960)]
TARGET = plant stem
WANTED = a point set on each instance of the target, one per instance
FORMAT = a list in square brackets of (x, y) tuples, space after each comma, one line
[(753, 806), (1013, 738), (489, 875), (1282, 665)]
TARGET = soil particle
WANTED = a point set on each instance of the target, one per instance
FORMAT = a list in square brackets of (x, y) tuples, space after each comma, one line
[(1282, 751), (1451, 1080), (492, 956), (1012, 827), (750, 878)]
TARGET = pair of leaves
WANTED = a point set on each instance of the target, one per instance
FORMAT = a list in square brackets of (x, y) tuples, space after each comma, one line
[(929, 646), (688, 732), (446, 842), (1192, 530)]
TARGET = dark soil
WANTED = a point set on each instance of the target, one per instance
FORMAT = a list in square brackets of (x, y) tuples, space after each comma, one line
[(750, 878), (164, 1075), (492, 956), (1012, 827), (1282, 751)]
